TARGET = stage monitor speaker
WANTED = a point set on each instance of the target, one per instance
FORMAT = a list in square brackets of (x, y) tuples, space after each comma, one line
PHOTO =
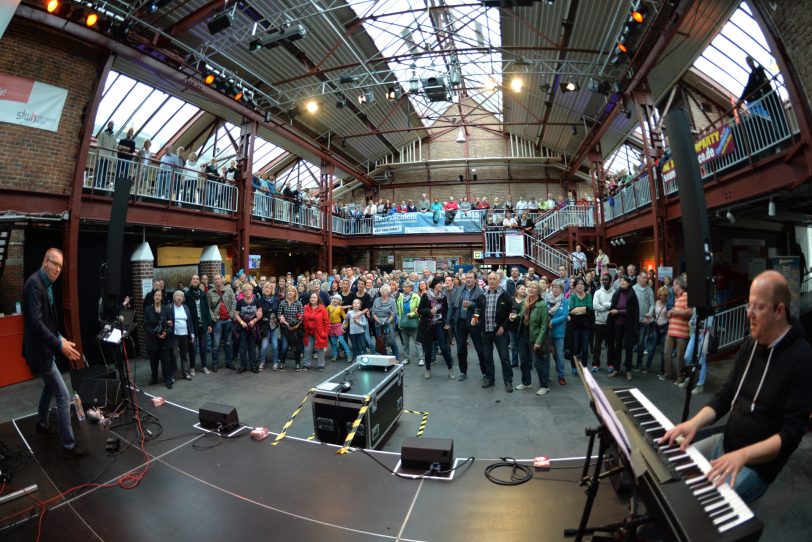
[(222, 418), (115, 236), (423, 452), (100, 392), (78, 376), (695, 228)]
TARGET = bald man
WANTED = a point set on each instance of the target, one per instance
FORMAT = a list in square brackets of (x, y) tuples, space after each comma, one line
[(766, 393), (42, 342)]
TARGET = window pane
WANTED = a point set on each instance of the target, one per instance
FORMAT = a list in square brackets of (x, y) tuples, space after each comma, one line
[(175, 121)]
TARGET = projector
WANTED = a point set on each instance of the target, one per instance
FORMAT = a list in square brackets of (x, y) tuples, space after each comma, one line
[(377, 361)]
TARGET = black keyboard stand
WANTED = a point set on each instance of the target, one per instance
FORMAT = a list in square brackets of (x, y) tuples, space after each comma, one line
[(609, 532)]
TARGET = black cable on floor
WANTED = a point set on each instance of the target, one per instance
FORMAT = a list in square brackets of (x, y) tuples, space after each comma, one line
[(519, 474)]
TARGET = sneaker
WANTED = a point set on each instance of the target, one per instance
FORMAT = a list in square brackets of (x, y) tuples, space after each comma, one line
[(562, 381), (683, 384), (521, 387), (542, 391), (509, 388), (405, 362), (613, 374), (77, 451), (214, 369), (427, 375), (595, 368), (206, 371), (451, 374), (421, 362), (231, 367), (333, 360), (680, 380), (187, 376), (275, 367), (645, 352), (661, 377), (610, 369), (254, 370), (628, 376), (192, 371), (298, 367), (644, 371), (320, 369), (169, 384), (304, 369), (240, 371), (697, 390), (461, 377)]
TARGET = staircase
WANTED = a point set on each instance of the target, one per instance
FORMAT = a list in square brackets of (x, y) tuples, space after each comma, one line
[(581, 216), (504, 244)]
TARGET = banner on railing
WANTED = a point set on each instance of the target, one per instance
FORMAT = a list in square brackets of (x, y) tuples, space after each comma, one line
[(514, 244), (31, 103), (715, 144), (414, 223)]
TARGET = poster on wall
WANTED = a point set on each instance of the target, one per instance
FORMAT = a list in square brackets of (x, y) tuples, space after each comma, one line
[(514, 244), (30, 103)]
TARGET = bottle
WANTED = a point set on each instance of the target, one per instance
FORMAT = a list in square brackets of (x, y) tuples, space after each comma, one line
[(80, 412)]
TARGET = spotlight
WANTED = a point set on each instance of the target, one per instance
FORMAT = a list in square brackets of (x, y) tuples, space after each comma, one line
[(639, 14), (209, 79), (366, 98), (268, 116), (341, 103), (347, 79), (491, 84), (622, 241), (414, 84), (516, 84), (730, 217), (312, 106), (570, 86), (393, 94), (91, 19), (220, 21), (255, 45), (152, 7), (238, 96), (771, 208), (52, 6), (612, 242), (622, 47)]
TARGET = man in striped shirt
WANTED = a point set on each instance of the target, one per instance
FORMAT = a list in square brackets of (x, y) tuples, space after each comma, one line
[(678, 333)]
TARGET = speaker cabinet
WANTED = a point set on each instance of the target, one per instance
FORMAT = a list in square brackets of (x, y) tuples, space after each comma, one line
[(222, 418), (422, 452)]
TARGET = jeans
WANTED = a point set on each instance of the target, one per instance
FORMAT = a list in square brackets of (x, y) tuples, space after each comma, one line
[(689, 356), (580, 345), (407, 337), (163, 190), (200, 342), (749, 484), (271, 338), (600, 336), (336, 343), (369, 339), (222, 335), (558, 352), (290, 338), (248, 349), (489, 340), (513, 340), (359, 344), (462, 330), (388, 335), (308, 351), (657, 343), (55, 388), (642, 344), (439, 339)]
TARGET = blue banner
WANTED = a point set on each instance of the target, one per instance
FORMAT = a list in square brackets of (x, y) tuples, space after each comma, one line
[(415, 223)]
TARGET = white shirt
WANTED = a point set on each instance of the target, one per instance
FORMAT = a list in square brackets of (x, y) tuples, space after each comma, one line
[(578, 260), (601, 303), (521, 205), (181, 326)]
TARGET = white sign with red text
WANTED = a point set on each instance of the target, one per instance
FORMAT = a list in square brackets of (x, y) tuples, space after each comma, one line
[(31, 103)]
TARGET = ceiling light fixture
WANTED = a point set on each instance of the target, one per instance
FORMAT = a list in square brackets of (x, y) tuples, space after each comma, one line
[(491, 84), (312, 106), (52, 6), (730, 217), (91, 19), (771, 207), (516, 84), (461, 135), (570, 86), (393, 94)]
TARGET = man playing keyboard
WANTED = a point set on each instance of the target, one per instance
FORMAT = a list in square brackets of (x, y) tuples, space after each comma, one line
[(766, 393)]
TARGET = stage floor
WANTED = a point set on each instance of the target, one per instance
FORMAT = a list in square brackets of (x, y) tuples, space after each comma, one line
[(198, 486)]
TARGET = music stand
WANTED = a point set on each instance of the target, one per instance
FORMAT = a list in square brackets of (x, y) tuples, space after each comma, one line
[(610, 430)]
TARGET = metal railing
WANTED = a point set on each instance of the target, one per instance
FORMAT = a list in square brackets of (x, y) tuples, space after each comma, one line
[(535, 250), (754, 134), (179, 187), (806, 294), (274, 208), (731, 326), (352, 226), (569, 215)]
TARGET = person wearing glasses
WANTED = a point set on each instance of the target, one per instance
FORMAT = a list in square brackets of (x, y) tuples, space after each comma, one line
[(766, 394), (42, 342)]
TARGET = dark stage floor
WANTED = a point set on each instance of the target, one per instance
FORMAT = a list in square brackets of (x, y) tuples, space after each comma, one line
[(202, 487)]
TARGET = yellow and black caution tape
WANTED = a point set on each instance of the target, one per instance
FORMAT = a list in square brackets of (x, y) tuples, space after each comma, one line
[(351, 435), (423, 421), (289, 423)]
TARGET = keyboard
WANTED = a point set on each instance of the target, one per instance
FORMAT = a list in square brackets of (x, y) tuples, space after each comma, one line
[(678, 497)]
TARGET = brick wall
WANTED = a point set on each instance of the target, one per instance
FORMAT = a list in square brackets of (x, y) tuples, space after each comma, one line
[(793, 21), (210, 268), (11, 283), (39, 160), (701, 109), (138, 272)]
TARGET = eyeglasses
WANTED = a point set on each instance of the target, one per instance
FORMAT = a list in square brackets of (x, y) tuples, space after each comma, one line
[(759, 307), (54, 263)]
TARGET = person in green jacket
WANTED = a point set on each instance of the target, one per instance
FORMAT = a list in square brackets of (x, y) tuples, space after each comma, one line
[(408, 320), (534, 320)]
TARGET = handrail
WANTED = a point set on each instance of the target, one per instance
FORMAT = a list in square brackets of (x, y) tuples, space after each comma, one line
[(752, 135), (731, 326), (569, 215), (281, 210), (535, 250), (179, 187)]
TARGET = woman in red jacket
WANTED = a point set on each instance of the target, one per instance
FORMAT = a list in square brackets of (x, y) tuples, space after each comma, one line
[(316, 326)]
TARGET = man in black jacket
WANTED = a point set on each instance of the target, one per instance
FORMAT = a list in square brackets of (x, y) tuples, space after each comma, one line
[(466, 309), (766, 393), (42, 342), (198, 305), (497, 310)]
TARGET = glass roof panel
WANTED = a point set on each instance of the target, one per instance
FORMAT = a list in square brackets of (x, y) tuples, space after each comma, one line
[(724, 59), (436, 43), (301, 174), (265, 152), (174, 122)]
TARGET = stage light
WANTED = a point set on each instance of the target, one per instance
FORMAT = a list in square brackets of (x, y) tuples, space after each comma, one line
[(622, 47), (516, 84), (570, 86), (268, 116), (347, 79), (312, 106), (255, 45), (91, 19), (209, 79), (575, 129), (366, 98), (52, 6), (152, 7), (622, 241), (393, 94), (490, 84), (771, 208), (730, 217), (639, 14), (239, 95)]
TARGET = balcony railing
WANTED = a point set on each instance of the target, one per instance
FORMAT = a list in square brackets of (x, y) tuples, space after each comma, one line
[(178, 187), (732, 326), (535, 250), (352, 226), (277, 209), (569, 215), (753, 135)]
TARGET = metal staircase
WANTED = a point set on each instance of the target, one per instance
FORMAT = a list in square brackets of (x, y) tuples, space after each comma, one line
[(581, 216)]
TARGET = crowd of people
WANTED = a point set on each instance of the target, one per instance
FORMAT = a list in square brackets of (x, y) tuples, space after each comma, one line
[(256, 323)]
